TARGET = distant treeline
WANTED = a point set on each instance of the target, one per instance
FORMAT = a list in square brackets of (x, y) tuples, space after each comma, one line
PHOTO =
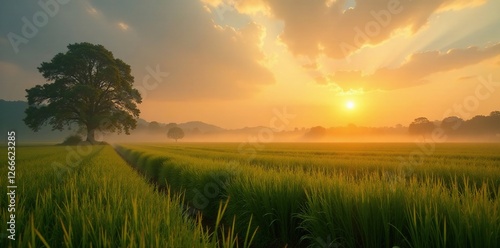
[(479, 125), (453, 127)]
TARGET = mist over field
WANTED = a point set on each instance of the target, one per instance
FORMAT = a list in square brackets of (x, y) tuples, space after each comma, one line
[(250, 123), (453, 129)]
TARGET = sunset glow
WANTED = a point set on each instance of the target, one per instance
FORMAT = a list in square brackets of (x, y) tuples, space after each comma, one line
[(350, 105), (252, 123), (220, 60)]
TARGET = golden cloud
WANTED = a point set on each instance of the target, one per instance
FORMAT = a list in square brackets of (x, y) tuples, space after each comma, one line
[(414, 70), (316, 27)]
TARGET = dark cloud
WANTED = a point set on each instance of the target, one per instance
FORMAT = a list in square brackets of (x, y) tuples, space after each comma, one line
[(179, 37)]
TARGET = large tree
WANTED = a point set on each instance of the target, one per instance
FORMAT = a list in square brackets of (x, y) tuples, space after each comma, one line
[(87, 86)]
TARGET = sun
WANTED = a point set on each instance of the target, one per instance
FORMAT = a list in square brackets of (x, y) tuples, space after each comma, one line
[(350, 105)]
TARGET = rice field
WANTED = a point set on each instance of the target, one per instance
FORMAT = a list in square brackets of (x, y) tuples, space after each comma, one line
[(271, 195), (90, 197), (338, 195)]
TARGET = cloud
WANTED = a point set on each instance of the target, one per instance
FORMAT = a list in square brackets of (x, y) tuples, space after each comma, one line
[(203, 60), (220, 66), (310, 66), (317, 27), (466, 78), (412, 72), (12, 79)]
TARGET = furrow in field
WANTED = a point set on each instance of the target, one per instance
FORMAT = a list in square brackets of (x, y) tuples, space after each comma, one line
[(445, 202), (97, 201)]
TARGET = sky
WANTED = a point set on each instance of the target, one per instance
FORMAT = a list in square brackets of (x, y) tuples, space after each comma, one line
[(239, 63)]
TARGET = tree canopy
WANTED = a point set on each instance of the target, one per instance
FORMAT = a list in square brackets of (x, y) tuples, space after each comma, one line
[(175, 133), (88, 87), (421, 126), (479, 126)]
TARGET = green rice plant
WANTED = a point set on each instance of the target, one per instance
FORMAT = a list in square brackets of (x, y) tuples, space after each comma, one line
[(229, 238), (272, 201), (342, 195), (203, 186), (462, 218), (102, 203)]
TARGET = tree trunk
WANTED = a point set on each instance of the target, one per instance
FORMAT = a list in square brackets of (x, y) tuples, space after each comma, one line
[(90, 135)]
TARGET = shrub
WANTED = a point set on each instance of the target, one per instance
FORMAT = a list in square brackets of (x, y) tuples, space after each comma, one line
[(73, 140)]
